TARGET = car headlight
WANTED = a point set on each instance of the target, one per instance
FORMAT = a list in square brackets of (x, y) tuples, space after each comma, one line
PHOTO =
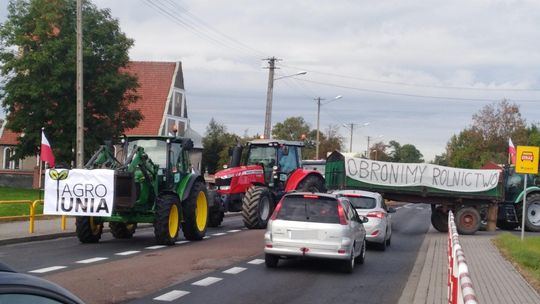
[(224, 187)]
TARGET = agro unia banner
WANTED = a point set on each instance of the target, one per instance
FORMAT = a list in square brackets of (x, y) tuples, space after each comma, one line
[(410, 174), (79, 192)]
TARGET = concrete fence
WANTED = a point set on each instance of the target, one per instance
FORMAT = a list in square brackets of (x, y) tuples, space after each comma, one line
[(460, 286)]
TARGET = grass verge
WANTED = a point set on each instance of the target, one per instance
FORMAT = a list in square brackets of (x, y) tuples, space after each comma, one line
[(525, 255), (9, 194)]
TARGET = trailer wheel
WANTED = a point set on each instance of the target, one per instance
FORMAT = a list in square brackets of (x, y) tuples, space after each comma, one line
[(122, 230), (467, 220), (532, 214), (439, 220), (195, 213), (257, 206), (88, 229), (167, 220), (311, 183)]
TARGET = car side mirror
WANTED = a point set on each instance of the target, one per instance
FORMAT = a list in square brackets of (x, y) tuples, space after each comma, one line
[(363, 219), (391, 210)]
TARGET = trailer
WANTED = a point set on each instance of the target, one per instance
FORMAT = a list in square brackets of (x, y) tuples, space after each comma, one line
[(478, 198)]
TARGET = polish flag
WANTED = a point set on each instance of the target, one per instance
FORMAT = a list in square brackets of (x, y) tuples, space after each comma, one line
[(46, 153), (511, 152)]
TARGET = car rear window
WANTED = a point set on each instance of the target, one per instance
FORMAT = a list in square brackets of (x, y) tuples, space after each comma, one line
[(317, 210), (362, 202)]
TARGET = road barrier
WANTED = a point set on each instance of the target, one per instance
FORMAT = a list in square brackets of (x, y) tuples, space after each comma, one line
[(32, 205), (460, 286)]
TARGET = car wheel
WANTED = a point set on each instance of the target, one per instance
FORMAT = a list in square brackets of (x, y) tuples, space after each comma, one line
[(362, 257), (348, 265), (382, 246), (271, 260), (389, 241)]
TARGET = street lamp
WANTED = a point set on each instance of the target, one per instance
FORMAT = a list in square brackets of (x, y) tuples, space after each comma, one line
[(269, 93), (350, 127), (318, 99)]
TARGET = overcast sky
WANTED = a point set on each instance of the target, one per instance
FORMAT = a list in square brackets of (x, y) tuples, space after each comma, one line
[(415, 70)]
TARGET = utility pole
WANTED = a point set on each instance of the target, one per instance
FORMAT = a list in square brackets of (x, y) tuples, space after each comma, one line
[(318, 99), (80, 108), (350, 144), (269, 93), (367, 149)]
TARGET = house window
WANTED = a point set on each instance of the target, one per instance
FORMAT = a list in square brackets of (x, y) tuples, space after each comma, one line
[(10, 164), (176, 105)]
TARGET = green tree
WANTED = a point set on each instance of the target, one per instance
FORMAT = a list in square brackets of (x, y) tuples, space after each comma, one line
[(38, 62), (292, 128), (404, 154), (217, 143), (330, 141), (487, 139)]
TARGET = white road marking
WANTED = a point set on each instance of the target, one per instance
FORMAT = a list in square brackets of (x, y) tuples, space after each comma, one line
[(218, 234), (181, 242), (419, 208), (48, 269), (256, 262), (397, 208), (171, 295), (92, 260), (206, 237), (127, 252), (235, 230), (207, 282), (234, 270), (155, 247)]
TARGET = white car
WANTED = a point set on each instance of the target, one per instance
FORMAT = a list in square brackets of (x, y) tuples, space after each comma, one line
[(315, 225), (372, 205)]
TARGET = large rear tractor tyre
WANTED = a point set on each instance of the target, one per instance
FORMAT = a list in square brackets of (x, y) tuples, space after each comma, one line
[(468, 220), (439, 220), (311, 183), (215, 218), (88, 229), (532, 213), (167, 220), (257, 207), (122, 230), (196, 213)]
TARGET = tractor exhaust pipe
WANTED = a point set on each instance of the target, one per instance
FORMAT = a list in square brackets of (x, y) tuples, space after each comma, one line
[(236, 156)]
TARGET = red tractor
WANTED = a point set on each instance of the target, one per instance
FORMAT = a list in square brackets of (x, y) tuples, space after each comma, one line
[(270, 169)]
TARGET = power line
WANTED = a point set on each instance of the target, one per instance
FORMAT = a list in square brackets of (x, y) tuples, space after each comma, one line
[(410, 95), (413, 84)]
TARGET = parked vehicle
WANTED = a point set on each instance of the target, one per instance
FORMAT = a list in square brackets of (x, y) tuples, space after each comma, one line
[(153, 184), (23, 288), (468, 193), (372, 205), (269, 169), (315, 225)]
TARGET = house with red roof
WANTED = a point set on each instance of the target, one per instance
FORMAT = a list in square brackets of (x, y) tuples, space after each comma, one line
[(162, 103)]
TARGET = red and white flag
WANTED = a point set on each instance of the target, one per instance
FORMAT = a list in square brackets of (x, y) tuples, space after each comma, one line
[(511, 152), (46, 153)]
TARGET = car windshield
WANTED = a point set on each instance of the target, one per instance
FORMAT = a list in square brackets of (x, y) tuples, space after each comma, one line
[(318, 210), (362, 202)]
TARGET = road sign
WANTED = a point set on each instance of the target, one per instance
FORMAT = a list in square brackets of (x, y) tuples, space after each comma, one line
[(527, 159)]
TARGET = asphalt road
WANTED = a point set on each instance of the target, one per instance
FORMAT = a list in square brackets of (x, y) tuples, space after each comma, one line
[(225, 268)]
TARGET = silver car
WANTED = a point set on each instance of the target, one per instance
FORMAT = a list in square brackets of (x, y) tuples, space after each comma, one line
[(315, 225), (372, 206)]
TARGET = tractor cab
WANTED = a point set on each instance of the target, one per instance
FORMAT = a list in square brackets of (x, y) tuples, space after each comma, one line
[(278, 158)]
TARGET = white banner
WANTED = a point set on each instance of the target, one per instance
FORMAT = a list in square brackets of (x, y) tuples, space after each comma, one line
[(79, 192), (410, 174)]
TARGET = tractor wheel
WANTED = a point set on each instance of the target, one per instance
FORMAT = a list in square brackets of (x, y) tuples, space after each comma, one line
[(257, 206), (532, 213), (167, 220), (88, 229), (195, 213), (215, 218), (122, 230), (311, 183), (467, 220), (439, 220)]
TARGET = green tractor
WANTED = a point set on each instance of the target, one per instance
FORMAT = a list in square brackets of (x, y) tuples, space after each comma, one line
[(153, 184)]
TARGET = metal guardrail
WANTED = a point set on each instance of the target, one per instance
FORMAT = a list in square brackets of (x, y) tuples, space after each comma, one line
[(32, 205), (460, 286)]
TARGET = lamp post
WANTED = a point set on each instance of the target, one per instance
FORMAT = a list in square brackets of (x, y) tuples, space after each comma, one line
[(318, 99), (269, 94), (350, 126)]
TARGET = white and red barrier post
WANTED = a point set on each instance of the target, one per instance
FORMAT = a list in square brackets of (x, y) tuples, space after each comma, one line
[(460, 287)]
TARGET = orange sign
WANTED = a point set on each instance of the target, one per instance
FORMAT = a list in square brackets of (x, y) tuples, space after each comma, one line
[(527, 159)]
